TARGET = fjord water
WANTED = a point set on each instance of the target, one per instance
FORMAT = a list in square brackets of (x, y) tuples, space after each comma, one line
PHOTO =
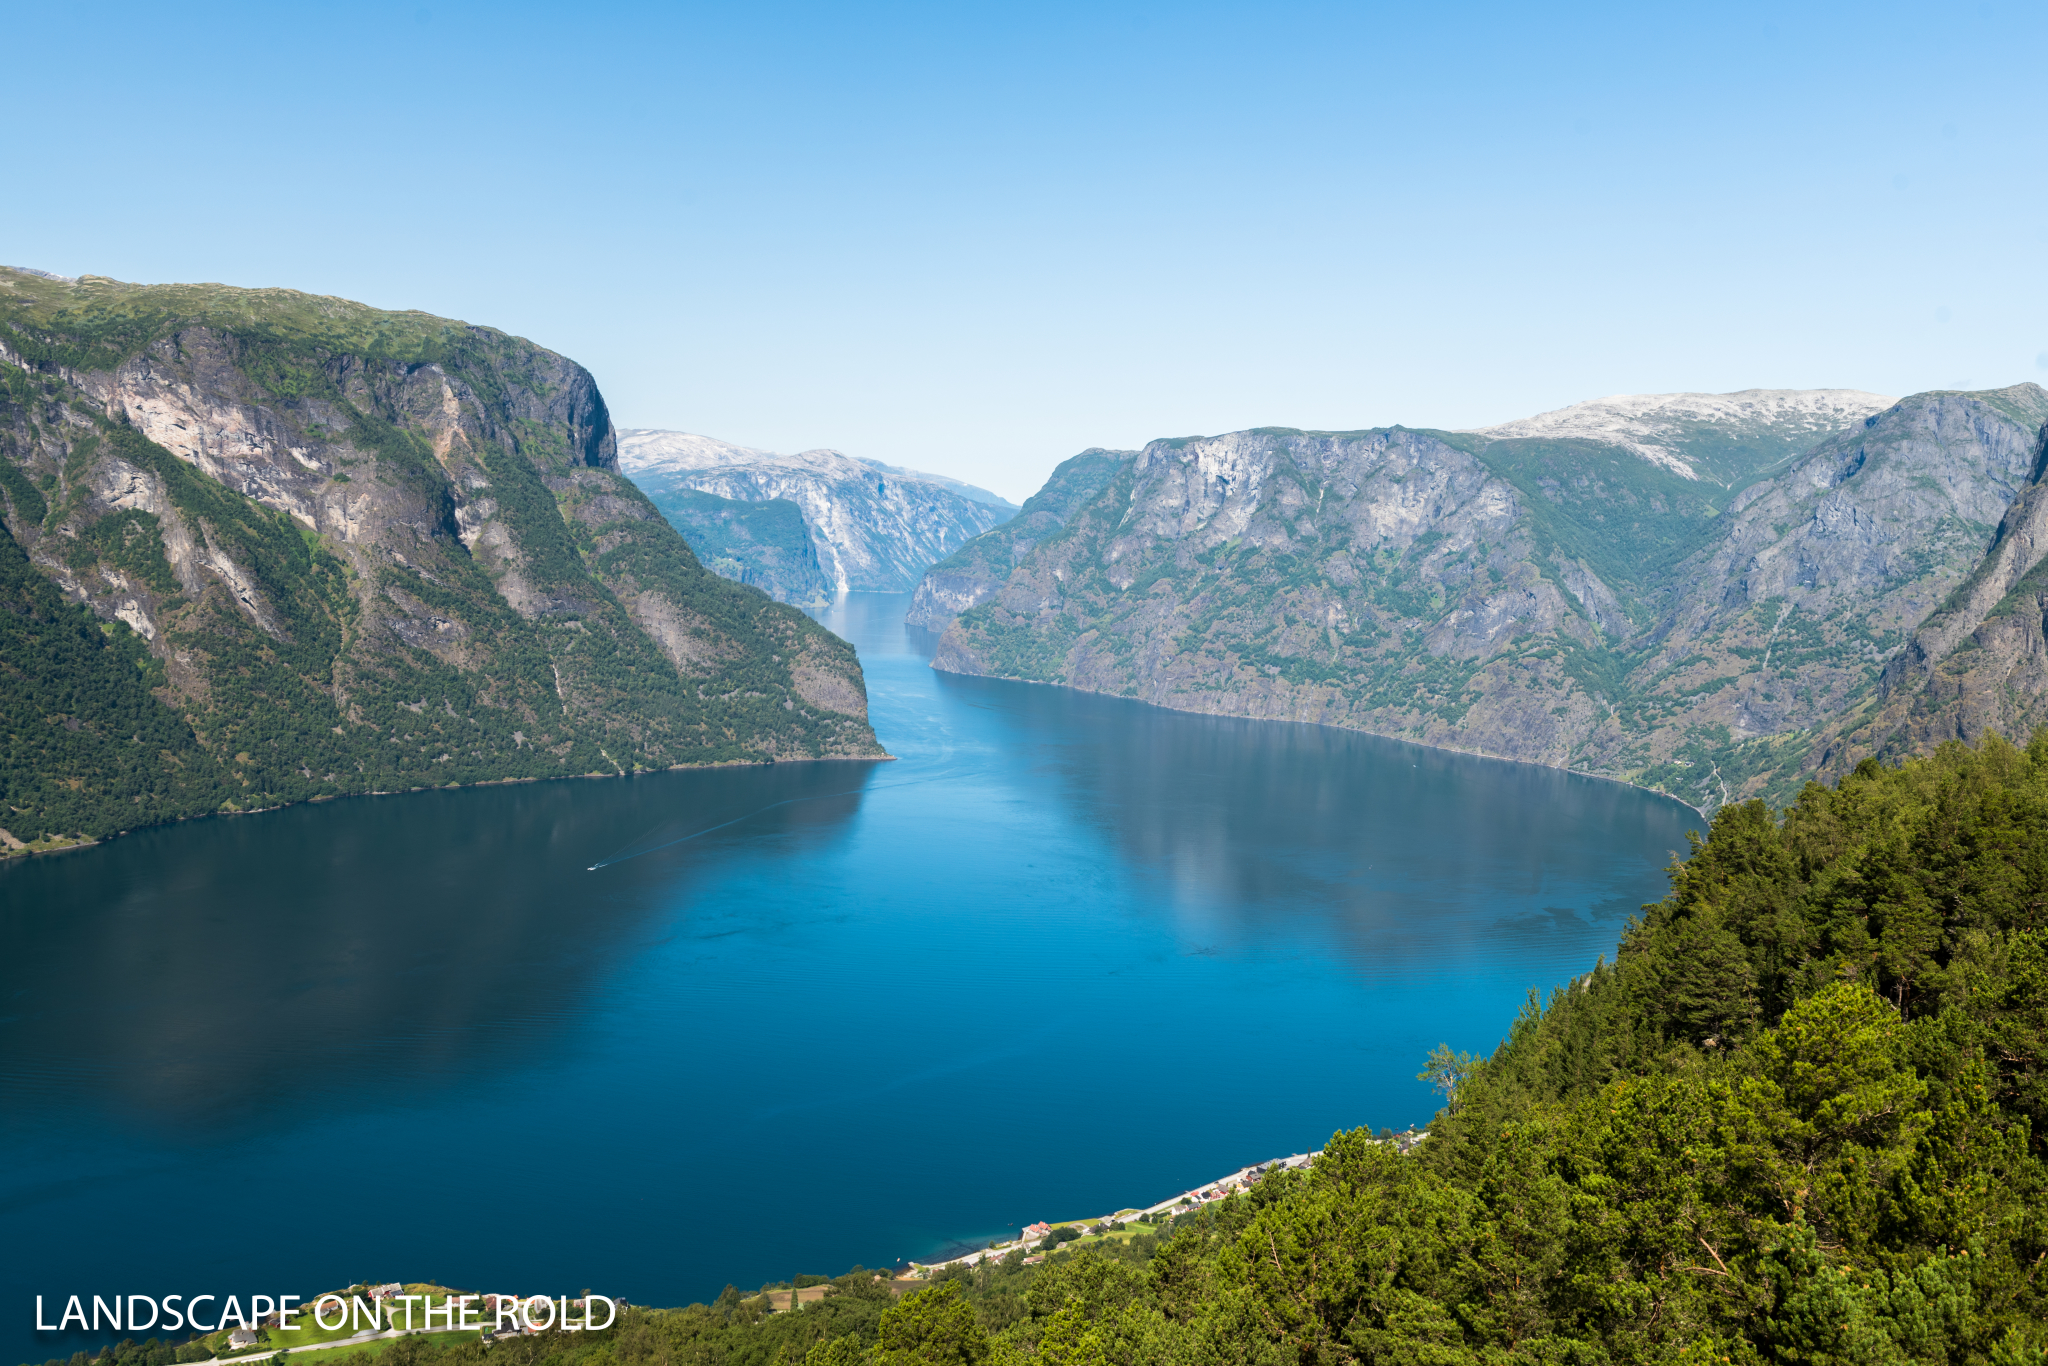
[(1068, 953)]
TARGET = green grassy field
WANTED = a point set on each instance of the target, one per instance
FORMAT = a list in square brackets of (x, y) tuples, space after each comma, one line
[(308, 1341), (376, 1345)]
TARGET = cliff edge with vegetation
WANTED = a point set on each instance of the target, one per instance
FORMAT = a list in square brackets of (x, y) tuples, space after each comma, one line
[(1714, 596), (263, 546)]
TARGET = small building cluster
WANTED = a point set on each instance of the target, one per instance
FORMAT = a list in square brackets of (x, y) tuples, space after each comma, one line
[(1215, 1190)]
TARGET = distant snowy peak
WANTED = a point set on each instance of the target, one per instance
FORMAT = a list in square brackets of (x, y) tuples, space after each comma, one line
[(875, 528), (645, 450), (1657, 426)]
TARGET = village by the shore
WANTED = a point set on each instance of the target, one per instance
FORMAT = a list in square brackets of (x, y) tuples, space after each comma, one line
[(1037, 1239)]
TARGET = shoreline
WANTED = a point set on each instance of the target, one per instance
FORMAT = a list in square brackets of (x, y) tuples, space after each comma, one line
[(21, 850), (1331, 725), (1205, 1192)]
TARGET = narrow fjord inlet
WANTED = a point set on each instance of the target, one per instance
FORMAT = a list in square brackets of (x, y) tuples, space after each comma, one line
[(1090, 685), (1069, 952)]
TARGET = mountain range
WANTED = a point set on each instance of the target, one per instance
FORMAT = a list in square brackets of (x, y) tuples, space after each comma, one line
[(1711, 595), (859, 525), (263, 546)]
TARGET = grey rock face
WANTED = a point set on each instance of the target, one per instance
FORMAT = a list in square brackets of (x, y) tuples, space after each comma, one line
[(368, 551), (972, 574), (1700, 619), (1978, 663), (874, 528)]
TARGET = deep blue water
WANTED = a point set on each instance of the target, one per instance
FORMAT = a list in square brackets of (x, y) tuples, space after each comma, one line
[(1068, 953)]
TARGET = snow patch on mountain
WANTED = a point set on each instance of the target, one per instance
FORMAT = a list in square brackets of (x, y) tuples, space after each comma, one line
[(875, 527), (646, 450), (1652, 425)]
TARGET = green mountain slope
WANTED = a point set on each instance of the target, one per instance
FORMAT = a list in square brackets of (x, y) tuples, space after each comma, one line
[(1726, 440), (1553, 596), (973, 573), (765, 544), (346, 550), (1626, 521)]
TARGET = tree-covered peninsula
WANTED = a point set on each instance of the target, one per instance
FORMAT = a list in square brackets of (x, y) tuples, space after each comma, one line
[(262, 546)]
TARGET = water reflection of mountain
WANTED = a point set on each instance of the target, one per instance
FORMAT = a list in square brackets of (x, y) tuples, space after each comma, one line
[(388, 994), (195, 975), (1409, 855)]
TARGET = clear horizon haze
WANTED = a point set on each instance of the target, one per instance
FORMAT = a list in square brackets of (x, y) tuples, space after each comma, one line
[(975, 240)]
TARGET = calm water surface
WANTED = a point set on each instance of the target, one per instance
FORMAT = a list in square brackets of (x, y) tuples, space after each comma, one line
[(1068, 953)]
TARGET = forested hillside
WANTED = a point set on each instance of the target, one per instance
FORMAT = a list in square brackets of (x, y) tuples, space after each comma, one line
[(262, 546), (1803, 1117), (764, 544)]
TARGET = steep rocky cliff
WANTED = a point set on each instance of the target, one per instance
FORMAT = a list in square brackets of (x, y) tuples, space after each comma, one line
[(1783, 631), (262, 546), (875, 528), (972, 574), (766, 544), (1698, 593), (1979, 662)]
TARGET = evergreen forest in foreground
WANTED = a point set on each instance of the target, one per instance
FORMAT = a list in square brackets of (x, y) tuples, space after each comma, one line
[(1799, 1119)]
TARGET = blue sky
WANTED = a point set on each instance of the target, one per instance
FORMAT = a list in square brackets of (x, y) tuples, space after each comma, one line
[(975, 239)]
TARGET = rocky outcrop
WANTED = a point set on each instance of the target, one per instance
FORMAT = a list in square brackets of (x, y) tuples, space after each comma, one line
[(1705, 618), (1250, 575), (357, 551), (971, 575), (873, 527), (1978, 663), (763, 544)]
